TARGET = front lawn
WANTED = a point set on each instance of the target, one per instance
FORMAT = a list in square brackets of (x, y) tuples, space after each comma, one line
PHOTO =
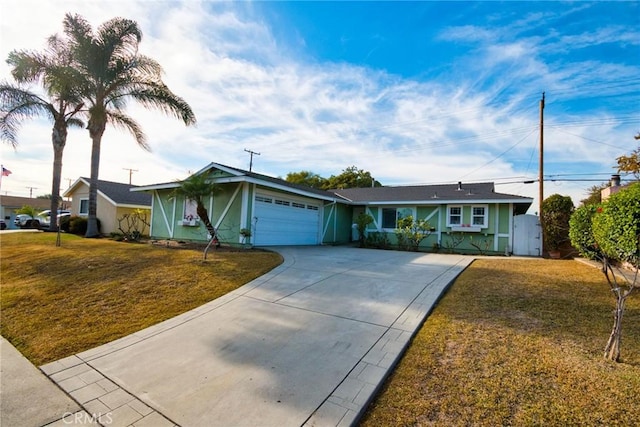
[(517, 342), (58, 301)]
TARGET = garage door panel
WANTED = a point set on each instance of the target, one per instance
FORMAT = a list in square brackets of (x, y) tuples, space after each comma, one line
[(286, 221)]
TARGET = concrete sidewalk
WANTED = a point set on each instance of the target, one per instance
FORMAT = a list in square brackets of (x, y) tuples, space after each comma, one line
[(307, 344), (27, 397)]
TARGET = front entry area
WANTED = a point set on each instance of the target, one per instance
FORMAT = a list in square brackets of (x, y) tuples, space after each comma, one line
[(281, 220)]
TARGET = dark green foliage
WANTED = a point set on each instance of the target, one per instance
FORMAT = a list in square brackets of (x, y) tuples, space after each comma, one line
[(616, 225), (362, 221), (411, 232), (351, 177), (75, 224), (64, 223), (556, 212), (307, 178), (581, 233), (378, 240)]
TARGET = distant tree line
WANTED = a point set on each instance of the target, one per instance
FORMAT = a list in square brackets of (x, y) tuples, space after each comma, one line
[(351, 177)]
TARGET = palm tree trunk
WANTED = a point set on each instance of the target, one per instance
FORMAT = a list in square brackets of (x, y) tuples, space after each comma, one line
[(204, 217), (59, 140), (95, 131)]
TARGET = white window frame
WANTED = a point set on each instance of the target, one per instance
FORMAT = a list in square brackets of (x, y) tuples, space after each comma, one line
[(449, 208), (471, 226), (396, 208), (485, 216), (80, 207), (190, 210)]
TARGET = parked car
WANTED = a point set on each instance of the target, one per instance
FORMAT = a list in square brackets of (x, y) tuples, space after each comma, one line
[(3, 225), (46, 216), (26, 221)]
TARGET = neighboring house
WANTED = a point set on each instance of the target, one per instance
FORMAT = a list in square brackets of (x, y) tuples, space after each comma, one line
[(115, 199), (10, 204), (280, 213), (613, 188)]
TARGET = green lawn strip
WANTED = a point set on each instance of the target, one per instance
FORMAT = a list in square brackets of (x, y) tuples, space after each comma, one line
[(517, 343), (58, 301)]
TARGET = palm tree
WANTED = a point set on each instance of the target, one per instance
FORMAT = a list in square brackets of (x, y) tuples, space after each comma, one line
[(114, 72), (196, 188), (52, 69)]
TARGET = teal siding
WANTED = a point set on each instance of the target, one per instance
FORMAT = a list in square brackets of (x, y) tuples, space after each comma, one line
[(223, 208)]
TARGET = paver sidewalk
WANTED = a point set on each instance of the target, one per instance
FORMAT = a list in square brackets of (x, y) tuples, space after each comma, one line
[(307, 344)]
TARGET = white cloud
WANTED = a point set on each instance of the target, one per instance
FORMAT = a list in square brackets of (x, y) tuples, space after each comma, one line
[(247, 92)]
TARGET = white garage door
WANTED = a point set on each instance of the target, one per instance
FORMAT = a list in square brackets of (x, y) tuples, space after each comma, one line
[(286, 221)]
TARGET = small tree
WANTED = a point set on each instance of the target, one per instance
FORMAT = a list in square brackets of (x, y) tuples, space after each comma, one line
[(616, 240), (411, 232), (196, 188), (631, 162), (131, 225), (34, 222), (362, 221), (556, 212)]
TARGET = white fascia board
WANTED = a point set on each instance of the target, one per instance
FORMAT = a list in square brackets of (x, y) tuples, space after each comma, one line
[(124, 205), (72, 188), (446, 202), (156, 187), (272, 185)]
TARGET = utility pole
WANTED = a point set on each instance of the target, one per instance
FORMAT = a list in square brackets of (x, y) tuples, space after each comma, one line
[(251, 158), (541, 169), (31, 191), (131, 171)]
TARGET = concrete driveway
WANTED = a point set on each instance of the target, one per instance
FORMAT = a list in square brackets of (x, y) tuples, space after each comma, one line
[(307, 344)]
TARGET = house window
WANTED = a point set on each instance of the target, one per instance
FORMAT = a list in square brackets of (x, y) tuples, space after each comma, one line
[(391, 216), (454, 216), (190, 210), (84, 207), (479, 216)]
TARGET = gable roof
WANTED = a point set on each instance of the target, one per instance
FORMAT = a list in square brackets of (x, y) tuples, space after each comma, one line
[(483, 192), (240, 175), (116, 192)]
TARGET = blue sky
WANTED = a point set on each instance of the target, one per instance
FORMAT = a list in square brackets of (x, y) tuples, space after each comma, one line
[(414, 92)]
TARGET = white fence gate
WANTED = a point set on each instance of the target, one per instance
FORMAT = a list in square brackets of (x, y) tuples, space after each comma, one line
[(527, 235)]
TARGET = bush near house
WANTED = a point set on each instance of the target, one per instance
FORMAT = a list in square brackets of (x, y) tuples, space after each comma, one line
[(556, 212), (75, 224)]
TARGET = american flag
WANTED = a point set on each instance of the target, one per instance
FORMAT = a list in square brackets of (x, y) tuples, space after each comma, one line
[(5, 171)]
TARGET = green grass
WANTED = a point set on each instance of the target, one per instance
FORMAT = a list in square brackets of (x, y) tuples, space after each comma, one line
[(517, 342), (58, 301)]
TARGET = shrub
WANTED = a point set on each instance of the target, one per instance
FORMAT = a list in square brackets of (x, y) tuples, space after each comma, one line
[(362, 221), (411, 232), (76, 225), (581, 232), (378, 240), (64, 223), (556, 212), (616, 225)]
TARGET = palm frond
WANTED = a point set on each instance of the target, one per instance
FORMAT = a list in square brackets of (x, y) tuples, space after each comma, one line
[(160, 97), (28, 66), (16, 105), (122, 121)]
